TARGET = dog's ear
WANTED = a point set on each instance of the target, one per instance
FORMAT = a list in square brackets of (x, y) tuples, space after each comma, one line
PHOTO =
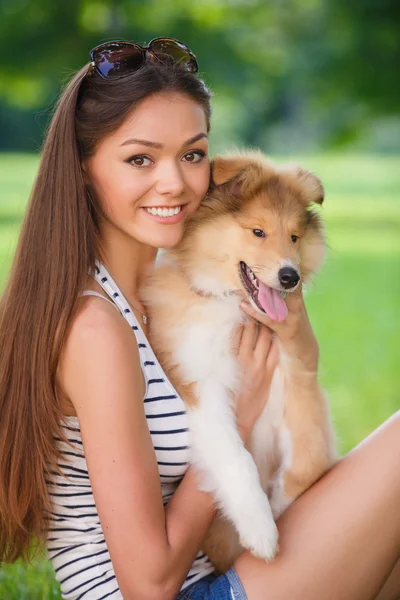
[(235, 172), (309, 185)]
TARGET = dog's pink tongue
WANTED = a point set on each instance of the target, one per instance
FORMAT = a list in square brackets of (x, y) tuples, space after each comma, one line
[(271, 302)]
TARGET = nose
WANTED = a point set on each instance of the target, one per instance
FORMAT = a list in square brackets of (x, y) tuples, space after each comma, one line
[(288, 277), (170, 181)]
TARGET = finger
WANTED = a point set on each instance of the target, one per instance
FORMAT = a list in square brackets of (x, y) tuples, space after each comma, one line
[(262, 318), (295, 300), (273, 356), (236, 339), (263, 344), (248, 337)]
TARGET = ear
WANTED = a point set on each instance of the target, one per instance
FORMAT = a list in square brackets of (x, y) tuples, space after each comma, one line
[(309, 185), (237, 172)]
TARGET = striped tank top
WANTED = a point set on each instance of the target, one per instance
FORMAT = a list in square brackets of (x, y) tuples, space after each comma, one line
[(75, 540)]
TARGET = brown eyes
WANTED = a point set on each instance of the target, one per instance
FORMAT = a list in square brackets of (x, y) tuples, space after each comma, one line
[(261, 234)]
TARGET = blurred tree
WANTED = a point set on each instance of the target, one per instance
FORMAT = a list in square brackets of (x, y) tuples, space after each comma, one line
[(290, 71)]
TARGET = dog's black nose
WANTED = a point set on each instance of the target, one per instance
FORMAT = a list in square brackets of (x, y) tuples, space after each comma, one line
[(288, 277)]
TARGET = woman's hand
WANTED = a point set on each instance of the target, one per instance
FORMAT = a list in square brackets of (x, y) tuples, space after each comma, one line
[(295, 333), (257, 353)]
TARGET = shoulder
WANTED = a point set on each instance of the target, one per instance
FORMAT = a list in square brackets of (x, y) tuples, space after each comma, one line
[(99, 344)]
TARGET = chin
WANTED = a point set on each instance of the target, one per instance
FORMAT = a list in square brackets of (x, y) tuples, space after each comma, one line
[(168, 240)]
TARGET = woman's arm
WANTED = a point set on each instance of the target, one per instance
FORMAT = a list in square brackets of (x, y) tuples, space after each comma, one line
[(152, 549)]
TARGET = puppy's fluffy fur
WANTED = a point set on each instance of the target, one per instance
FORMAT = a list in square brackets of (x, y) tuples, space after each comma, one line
[(194, 312)]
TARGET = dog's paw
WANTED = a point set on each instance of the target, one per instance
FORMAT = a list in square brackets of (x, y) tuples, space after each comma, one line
[(259, 534)]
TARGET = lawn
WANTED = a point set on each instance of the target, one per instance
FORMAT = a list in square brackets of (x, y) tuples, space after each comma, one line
[(353, 303)]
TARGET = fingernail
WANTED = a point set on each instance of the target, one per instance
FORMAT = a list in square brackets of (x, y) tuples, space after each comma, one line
[(244, 305)]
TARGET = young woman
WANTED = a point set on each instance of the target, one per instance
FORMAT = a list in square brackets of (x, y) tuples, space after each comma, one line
[(93, 437)]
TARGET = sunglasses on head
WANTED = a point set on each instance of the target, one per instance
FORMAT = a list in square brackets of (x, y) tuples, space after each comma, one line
[(113, 60)]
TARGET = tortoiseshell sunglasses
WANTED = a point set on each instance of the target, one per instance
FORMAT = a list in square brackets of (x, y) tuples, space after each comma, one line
[(118, 59)]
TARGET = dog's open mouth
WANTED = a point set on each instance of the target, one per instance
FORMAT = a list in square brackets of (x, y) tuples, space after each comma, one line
[(264, 297)]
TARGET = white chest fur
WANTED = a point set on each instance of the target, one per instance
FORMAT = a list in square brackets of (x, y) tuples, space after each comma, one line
[(203, 350)]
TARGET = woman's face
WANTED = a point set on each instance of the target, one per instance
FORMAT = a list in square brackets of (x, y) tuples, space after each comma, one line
[(153, 171)]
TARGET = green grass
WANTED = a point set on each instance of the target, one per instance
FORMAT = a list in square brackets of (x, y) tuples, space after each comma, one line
[(353, 303)]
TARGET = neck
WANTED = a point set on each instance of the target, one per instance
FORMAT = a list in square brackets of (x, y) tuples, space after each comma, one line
[(128, 261)]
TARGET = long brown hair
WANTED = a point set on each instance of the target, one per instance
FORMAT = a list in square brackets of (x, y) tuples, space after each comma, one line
[(57, 248)]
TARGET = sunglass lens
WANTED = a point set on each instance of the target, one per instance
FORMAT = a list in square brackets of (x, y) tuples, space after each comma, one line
[(118, 60), (178, 51)]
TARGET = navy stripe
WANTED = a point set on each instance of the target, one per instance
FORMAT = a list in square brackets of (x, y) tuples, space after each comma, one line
[(202, 555), (172, 464), (72, 468), (155, 398), (69, 529), (71, 495), (64, 549), (59, 440), (79, 506), (95, 586), (109, 594), (142, 346), (99, 564), (172, 448), (77, 587), (165, 431), (191, 576), (147, 363), (68, 475), (84, 485), (72, 454), (161, 415), (71, 562), (155, 381), (74, 516)]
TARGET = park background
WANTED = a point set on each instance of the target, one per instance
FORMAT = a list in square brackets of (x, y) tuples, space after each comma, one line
[(310, 80)]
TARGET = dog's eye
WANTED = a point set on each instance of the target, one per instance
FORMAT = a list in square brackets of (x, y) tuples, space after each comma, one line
[(294, 238), (259, 232)]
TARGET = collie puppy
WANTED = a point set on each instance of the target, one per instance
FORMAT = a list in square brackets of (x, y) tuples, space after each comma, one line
[(254, 233)]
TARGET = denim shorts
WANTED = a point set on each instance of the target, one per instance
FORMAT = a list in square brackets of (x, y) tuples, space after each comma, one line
[(214, 587)]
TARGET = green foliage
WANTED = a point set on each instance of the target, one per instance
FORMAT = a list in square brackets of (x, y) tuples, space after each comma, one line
[(32, 582), (295, 73)]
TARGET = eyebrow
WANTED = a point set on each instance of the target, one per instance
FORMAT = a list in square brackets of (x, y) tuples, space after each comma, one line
[(192, 140)]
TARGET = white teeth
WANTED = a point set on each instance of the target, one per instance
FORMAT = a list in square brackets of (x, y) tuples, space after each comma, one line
[(164, 212), (251, 276)]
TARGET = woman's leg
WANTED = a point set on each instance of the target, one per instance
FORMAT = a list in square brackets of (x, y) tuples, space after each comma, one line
[(341, 539), (391, 589)]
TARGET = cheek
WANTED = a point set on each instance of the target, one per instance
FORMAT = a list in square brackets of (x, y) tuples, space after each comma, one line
[(117, 192)]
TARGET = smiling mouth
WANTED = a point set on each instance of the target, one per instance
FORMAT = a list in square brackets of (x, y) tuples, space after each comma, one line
[(163, 211), (266, 298)]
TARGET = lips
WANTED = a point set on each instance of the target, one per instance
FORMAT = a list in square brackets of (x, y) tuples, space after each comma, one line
[(266, 298)]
